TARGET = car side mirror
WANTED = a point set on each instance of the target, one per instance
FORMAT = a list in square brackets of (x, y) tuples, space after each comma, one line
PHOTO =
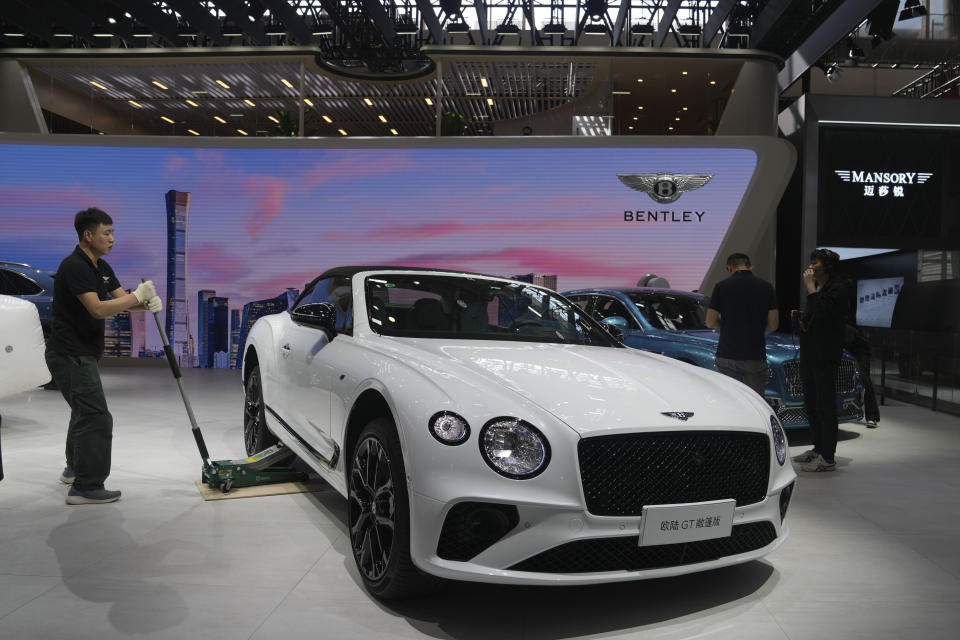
[(316, 314), (617, 326)]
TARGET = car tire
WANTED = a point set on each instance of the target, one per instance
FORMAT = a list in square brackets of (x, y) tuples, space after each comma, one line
[(256, 435), (378, 514)]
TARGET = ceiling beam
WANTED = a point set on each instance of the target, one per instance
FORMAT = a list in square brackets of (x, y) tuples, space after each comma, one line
[(378, 14), (200, 19), (237, 12), (153, 18), (481, 8), (292, 21), (619, 22), (429, 15), (771, 13), (715, 21), (837, 25), (666, 21)]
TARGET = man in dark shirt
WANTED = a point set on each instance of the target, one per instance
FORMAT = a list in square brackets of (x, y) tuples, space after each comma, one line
[(742, 307), (85, 291), (821, 346)]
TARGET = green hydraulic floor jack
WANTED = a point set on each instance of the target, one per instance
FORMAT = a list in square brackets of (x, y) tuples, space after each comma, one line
[(259, 469)]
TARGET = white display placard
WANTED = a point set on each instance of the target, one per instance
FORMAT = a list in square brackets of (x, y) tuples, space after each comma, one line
[(674, 523)]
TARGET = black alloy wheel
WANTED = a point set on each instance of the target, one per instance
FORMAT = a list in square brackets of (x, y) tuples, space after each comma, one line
[(379, 515), (256, 436)]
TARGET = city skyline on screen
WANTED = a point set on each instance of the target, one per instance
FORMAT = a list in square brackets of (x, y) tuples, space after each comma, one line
[(264, 220)]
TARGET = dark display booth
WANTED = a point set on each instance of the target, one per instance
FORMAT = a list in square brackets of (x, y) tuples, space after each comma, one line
[(884, 190)]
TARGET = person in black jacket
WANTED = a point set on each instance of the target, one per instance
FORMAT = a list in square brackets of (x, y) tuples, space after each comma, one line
[(85, 292), (821, 346)]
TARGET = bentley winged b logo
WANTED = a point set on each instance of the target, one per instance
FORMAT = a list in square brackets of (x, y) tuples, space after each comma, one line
[(683, 416), (664, 187)]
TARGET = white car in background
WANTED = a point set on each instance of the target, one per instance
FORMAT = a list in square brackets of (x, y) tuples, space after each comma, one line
[(487, 429)]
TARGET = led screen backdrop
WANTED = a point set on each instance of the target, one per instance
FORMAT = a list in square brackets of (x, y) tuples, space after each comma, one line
[(889, 187), (262, 220)]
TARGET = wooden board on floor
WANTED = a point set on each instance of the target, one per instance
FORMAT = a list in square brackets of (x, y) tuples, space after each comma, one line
[(280, 488)]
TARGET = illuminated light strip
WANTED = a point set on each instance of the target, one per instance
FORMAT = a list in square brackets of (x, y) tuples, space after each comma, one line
[(166, 119), (368, 102), (342, 132), (192, 103), (222, 83), (160, 84), (890, 124), (308, 102), (98, 85), (250, 102), (383, 118), (394, 132), (242, 132), (219, 119), (136, 104), (193, 132), (273, 119), (287, 83), (429, 102), (327, 119)]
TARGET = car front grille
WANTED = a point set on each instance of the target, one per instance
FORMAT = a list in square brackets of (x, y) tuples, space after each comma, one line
[(624, 554), (798, 415), (622, 473), (844, 382)]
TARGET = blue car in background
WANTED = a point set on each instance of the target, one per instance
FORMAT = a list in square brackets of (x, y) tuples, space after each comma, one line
[(673, 323)]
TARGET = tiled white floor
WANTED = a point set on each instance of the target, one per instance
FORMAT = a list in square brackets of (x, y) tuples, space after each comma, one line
[(873, 551)]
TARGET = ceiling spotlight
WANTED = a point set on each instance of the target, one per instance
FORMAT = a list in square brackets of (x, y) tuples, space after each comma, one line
[(554, 29), (595, 28), (322, 29), (912, 9), (458, 27), (406, 27), (507, 28), (640, 29), (275, 29), (690, 30), (832, 72)]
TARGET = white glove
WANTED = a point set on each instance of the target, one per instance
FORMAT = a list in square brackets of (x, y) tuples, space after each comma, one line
[(145, 291), (154, 304)]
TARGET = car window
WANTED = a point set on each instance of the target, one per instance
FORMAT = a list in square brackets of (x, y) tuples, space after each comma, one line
[(581, 301), (15, 284), (431, 306), (671, 311), (336, 290), (609, 307)]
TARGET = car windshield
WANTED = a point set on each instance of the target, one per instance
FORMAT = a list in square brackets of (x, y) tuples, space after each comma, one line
[(671, 311), (476, 308)]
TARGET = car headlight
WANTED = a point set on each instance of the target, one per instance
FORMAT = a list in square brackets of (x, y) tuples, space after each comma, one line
[(449, 428), (779, 439), (514, 448)]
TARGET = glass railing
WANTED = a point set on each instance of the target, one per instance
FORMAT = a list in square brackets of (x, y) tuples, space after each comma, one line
[(918, 367)]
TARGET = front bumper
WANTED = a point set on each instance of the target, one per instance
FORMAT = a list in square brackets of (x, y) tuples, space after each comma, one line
[(563, 544)]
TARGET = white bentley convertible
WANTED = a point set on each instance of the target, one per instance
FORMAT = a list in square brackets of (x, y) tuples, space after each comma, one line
[(486, 429)]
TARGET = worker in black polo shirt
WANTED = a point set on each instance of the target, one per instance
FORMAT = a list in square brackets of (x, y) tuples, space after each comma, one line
[(85, 291), (742, 307)]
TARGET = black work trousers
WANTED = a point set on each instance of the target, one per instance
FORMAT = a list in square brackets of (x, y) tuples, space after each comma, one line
[(90, 432), (820, 401), (870, 409)]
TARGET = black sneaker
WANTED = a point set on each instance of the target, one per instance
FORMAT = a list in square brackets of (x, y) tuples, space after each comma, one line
[(91, 496), (67, 476)]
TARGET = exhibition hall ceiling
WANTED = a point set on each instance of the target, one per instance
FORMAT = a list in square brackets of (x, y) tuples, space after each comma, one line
[(390, 68)]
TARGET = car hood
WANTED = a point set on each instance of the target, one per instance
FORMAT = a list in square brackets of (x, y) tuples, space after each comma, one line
[(596, 389), (780, 346)]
